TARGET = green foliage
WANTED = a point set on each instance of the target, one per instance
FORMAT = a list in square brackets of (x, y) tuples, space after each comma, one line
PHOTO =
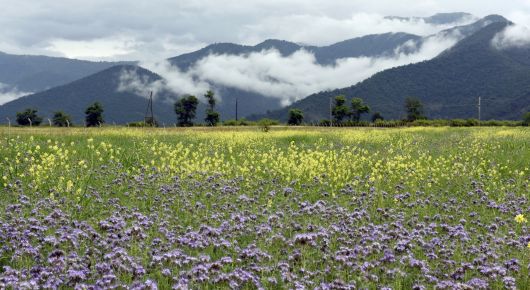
[(240, 122), (324, 123), (61, 119), (28, 118), (340, 110), (185, 109), (358, 108), (265, 124), (526, 119), (464, 123), (377, 116), (296, 117), (414, 109), (138, 124), (94, 115), (212, 117)]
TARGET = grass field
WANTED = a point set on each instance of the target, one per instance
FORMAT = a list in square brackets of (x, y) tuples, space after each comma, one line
[(415, 208)]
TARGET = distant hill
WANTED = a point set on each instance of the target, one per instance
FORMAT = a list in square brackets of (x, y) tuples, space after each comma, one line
[(122, 107), (36, 73), (448, 85)]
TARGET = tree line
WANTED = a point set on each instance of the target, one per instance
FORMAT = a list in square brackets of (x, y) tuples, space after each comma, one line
[(93, 117), (185, 109), (340, 112)]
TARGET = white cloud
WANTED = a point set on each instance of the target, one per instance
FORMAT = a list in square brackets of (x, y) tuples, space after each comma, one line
[(7, 93), (94, 48), (173, 80), (324, 30), (286, 78), (517, 35), (140, 30), (512, 36)]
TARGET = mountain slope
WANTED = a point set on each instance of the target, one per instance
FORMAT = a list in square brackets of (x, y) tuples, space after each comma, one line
[(448, 85)]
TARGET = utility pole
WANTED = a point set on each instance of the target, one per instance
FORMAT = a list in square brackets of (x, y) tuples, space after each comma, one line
[(8, 121), (330, 113), (236, 109), (479, 112), (149, 119)]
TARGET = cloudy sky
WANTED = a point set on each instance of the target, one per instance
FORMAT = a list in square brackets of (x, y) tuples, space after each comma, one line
[(147, 30)]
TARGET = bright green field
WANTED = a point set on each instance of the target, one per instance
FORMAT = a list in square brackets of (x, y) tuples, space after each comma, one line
[(290, 208)]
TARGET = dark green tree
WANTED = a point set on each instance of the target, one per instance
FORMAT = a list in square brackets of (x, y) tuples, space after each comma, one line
[(296, 117), (185, 109), (94, 115), (60, 119), (377, 116), (28, 117), (358, 108), (340, 110), (414, 109), (526, 119), (212, 117)]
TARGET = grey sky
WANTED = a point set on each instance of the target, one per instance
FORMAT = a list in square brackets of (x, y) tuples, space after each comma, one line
[(146, 30)]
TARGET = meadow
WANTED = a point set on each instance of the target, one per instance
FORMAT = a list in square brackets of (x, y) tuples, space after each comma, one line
[(307, 208)]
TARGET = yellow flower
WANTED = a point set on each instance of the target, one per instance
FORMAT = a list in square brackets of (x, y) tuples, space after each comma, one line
[(520, 218), (69, 185), (528, 246)]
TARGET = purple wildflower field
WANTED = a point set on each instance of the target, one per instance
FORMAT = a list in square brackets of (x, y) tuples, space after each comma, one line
[(358, 209)]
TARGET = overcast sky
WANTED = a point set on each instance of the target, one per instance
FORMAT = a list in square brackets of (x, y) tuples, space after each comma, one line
[(147, 30)]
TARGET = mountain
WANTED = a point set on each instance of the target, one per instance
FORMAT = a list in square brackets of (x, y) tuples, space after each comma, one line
[(369, 46), (36, 73), (448, 85), (122, 106), (366, 46)]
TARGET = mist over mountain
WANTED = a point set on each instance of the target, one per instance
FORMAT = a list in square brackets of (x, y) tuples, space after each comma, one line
[(448, 85), (276, 73)]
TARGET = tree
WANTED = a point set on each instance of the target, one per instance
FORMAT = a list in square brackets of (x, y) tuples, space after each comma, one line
[(60, 119), (358, 108), (377, 116), (28, 117), (185, 109), (526, 119), (340, 110), (414, 109), (94, 115), (296, 116), (212, 117)]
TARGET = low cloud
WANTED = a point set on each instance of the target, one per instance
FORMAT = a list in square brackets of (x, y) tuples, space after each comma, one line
[(8, 93), (271, 74), (325, 30), (173, 81), (512, 36)]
